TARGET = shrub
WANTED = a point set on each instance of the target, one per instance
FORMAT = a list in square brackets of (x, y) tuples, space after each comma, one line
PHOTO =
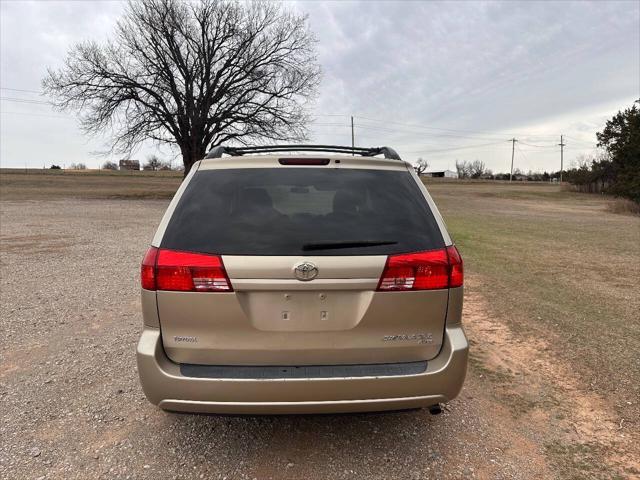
[(108, 165), (624, 206)]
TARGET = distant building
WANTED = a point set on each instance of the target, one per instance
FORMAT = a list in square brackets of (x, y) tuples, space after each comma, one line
[(441, 174), (129, 165)]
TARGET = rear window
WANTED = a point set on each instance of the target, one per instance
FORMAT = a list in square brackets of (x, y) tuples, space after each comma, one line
[(302, 211)]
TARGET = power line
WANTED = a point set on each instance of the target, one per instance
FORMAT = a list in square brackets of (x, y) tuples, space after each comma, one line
[(524, 157), (25, 100), (332, 115), (33, 114), (370, 119), (361, 125), (538, 146), (500, 134), (382, 127), (22, 90), (392, 130), (456, 148), (430, 134), (579, 140), (592, 148), (329, 124), (428, 127), (395, 130)]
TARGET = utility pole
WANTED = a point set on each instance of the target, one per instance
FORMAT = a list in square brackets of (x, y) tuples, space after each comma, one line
[(513, 152), (353, 143), (562, 145)]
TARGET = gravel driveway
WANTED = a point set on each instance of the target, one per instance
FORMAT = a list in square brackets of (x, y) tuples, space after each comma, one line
[(72, 407)]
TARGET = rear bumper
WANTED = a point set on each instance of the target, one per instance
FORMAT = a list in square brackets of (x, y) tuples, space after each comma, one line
[(165, 386)]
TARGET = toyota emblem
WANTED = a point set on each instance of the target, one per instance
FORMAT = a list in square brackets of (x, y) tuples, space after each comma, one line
[(305, 271)]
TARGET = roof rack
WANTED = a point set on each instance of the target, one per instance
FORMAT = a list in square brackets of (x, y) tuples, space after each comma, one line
[(388, 152)]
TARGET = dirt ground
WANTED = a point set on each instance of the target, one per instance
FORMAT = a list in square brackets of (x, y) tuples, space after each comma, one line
[(71, 405)]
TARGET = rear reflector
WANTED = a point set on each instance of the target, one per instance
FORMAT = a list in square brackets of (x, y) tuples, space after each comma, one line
[(184, 272), (304, 161), (430, 270)]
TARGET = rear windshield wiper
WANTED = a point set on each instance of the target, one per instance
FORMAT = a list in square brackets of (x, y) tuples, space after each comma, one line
[(347, 244)]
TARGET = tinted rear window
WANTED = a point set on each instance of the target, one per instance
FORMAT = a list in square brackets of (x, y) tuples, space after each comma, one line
[(302, 211)]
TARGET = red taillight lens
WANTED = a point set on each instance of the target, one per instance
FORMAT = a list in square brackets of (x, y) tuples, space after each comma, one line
[(183, 271), (456, 278), (431, 270), (148, 269), (191, 272), (416, 271)]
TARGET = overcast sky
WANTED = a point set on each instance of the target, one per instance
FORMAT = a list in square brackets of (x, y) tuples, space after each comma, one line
[(444, 81)]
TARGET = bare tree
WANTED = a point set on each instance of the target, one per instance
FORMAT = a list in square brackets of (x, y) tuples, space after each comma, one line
[(583, 161), (462, 169), (473, 169), (421, 166), (153, 163), (476, 169), (193, 74)]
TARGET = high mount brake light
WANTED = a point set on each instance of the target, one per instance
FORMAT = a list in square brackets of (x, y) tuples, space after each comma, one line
[(430, 270), (183, 271), (303, 161)]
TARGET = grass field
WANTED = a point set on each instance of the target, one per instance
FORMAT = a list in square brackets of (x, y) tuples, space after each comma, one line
[(556, 264), (20, 184), (552, 296)]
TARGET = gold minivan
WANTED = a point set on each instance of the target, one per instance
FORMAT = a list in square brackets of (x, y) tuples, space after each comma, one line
[(286, 283)]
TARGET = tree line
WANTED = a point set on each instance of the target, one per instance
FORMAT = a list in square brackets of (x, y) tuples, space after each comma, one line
[(615, 169)]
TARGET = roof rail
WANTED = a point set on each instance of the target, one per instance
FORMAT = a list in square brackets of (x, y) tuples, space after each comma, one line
[(388, 152)]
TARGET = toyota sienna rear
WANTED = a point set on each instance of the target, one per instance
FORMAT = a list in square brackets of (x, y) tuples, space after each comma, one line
[(280, 283)]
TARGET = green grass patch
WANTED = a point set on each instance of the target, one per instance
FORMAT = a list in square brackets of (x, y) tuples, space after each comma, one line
[(559, 266)]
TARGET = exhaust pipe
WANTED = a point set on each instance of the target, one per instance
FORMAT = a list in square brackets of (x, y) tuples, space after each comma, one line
[(435, 409)]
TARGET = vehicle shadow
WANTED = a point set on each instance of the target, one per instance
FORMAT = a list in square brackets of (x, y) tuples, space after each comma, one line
[(392, 445)]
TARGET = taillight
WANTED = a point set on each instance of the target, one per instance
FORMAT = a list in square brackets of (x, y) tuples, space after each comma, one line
[(148, 269), (188, 272), (456, 277), (430, 270)]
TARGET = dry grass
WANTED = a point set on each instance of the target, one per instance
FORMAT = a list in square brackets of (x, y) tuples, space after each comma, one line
[(624, 206), (19, 184)]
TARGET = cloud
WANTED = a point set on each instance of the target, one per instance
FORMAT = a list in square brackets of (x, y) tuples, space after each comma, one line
[(427, 78), (498, 64)]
